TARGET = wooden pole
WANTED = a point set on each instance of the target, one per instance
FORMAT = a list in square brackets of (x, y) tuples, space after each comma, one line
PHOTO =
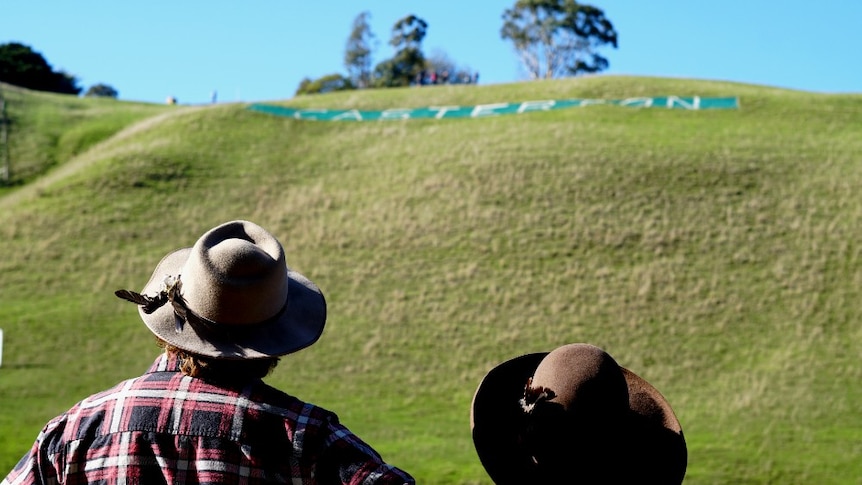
[(5, 172)]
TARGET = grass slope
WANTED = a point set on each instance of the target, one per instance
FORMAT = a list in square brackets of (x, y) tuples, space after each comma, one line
[(46, 129), (715, 253)]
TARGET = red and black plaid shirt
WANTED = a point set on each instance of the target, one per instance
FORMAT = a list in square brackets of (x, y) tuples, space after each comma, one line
[(164, 427)]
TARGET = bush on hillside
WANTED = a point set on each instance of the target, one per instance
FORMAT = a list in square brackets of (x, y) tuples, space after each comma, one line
[(325, 84), (101, 91)]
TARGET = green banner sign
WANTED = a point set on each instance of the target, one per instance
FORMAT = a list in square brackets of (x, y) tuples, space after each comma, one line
[(496, 109)]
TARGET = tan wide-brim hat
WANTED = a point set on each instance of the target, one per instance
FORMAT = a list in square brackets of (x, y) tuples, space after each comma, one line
[(652, 445), (243, 301)]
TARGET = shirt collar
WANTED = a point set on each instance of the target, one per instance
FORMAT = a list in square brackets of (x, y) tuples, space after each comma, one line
[(165, 363)]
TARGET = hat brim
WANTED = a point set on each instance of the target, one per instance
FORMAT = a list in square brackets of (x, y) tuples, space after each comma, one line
[(299, 326), (657, 447)]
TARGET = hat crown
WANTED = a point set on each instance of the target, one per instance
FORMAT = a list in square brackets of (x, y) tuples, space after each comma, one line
[(236, 274), (584, 379)]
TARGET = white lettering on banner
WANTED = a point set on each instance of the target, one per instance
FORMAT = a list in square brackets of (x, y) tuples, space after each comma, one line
[(644, 102), (588, 102), (486, 109), (396, 114), (352, 114), (677, 101), (441, 110), (536, 106), (310, 114)]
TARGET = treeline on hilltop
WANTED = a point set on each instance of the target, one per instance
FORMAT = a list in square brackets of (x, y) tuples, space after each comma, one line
[(552, 38)]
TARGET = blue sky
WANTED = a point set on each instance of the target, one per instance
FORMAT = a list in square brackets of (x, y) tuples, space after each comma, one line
[(261, 50)]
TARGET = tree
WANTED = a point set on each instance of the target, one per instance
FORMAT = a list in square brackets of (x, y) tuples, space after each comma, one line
[(22, 66), (325, 84), (408, 62), (558, 37), (357, 55), (102, 91)]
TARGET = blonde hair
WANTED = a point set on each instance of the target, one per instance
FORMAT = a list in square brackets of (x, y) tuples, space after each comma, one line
[(213, 369)]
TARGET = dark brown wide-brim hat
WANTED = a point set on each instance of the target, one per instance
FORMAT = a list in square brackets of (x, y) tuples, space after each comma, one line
[(231, 296), (648, 445)]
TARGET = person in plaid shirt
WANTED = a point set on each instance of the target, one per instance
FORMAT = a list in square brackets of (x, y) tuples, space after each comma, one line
[(224, 310)]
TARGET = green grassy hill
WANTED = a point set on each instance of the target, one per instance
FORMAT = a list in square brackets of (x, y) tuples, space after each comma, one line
[(715, 253), (47, 129)]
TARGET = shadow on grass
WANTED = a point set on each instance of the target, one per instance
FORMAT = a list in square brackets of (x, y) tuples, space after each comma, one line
[(6, 367)]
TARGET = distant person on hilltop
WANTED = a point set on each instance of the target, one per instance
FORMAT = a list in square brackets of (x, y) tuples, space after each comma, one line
[(573, 415), (224, 311)]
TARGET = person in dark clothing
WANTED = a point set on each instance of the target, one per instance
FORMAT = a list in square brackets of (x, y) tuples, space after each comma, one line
[(575, 416)]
